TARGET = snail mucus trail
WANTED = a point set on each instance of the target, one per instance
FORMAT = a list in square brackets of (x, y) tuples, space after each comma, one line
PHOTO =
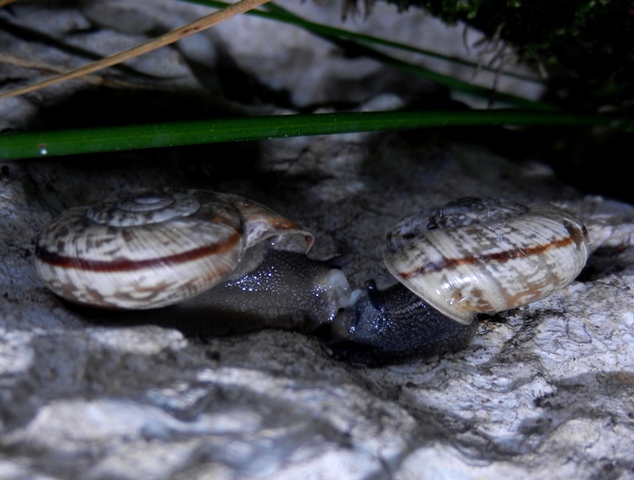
[(224, 264)]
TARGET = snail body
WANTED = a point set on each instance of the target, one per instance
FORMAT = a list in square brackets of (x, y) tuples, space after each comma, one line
[(285, 290), (395, 325), (212, 255)]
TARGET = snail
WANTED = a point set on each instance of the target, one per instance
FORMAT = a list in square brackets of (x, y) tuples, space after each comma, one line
[(151, 250), (471, 256), (210, 255)]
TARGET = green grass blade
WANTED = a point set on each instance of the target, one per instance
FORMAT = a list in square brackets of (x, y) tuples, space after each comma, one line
[(68, 142)]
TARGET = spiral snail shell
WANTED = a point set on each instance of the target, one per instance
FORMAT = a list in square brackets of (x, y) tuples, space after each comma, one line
[(479, 255), (222, 255)]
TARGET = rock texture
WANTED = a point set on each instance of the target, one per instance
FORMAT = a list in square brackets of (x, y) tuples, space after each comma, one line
[(543, 391)]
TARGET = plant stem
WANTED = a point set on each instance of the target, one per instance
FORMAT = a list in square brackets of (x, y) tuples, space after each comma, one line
[(68, 142), (170, 37)]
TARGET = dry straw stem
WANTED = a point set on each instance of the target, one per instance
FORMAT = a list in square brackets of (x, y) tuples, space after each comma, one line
[(45, 67), (170, 37)]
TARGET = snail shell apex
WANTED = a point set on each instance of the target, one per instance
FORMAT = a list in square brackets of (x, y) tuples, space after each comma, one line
[(151, 250), (486, 256)]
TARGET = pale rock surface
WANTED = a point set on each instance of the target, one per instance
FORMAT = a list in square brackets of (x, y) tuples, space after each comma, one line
[(544, 391)]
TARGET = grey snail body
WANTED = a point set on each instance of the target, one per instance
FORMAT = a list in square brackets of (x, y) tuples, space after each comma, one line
[(203, 255), (285, 290)]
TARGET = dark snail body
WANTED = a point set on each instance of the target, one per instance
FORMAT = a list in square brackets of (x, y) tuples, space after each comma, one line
[(221, 264), (395, 325), (286, 290)]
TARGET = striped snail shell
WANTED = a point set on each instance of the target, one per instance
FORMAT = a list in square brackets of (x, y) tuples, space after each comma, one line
[(155, 249), (481, 255), (474, 255)]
